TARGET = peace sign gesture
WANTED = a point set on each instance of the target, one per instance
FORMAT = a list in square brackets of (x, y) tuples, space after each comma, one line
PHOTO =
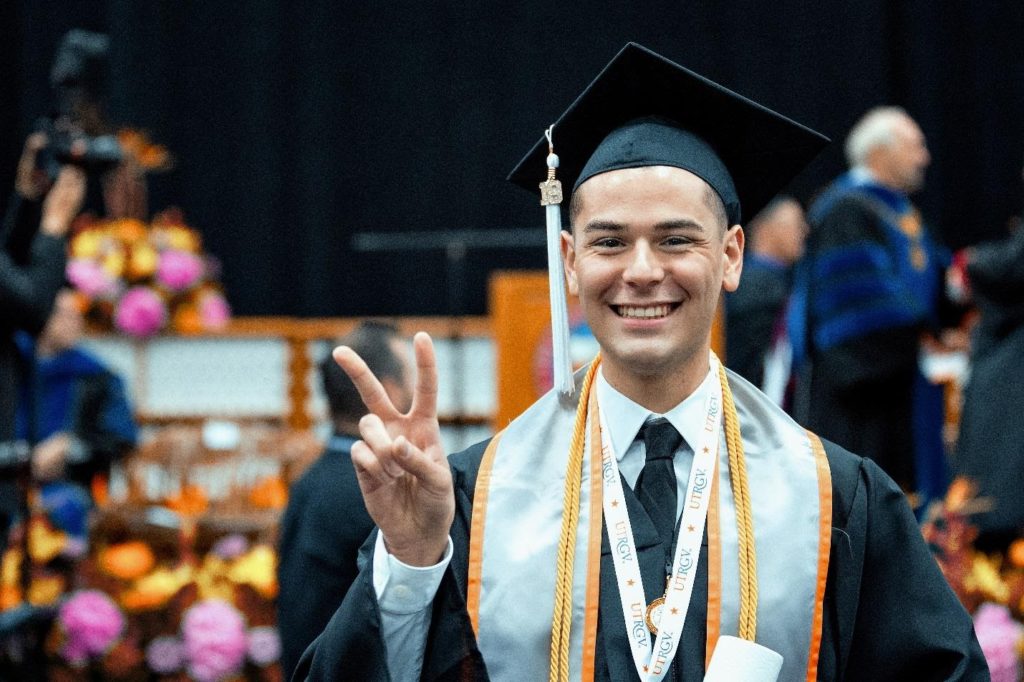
[(400, 463)]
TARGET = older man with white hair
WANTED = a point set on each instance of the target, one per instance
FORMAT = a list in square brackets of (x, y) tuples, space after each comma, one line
[(867, 295)]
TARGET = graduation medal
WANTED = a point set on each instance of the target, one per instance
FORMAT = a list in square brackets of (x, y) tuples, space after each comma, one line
[(653, 615)]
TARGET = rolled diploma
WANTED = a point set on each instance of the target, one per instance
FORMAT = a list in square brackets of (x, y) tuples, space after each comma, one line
[(739, 660)]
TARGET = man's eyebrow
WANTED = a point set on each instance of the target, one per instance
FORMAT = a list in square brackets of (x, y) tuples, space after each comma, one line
[(681, 224), (603, 226), (666, 226)]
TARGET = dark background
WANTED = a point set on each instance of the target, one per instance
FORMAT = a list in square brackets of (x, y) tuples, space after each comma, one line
[(299, 124)]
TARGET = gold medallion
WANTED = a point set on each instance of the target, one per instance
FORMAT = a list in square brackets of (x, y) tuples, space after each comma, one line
[(653, 615)]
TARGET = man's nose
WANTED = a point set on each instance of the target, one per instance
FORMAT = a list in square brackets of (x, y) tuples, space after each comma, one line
[(644, 267)]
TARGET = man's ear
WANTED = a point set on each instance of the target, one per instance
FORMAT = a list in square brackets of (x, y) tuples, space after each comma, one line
[(569, 262), (732, 257)]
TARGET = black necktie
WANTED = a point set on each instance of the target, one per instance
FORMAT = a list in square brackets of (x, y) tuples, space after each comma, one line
[(656, 487)]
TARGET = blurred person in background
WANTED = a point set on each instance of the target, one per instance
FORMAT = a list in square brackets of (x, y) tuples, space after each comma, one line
[(326, 520), (74, 411), (990, 449), (867, 296), (757, 347), (32, 260)]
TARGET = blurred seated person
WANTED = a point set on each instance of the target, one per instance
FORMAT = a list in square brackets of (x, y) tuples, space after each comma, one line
[(75, 412), (326, 520), (990, 449), (757, 347)]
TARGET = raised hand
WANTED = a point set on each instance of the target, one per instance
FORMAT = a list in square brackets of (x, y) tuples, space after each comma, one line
[(30, 182), (61, 205), (400, 462)]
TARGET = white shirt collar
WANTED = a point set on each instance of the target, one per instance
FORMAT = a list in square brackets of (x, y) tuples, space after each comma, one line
[(625, 417), (863, 175)]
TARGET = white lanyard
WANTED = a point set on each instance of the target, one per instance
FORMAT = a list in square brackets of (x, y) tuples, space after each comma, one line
[(652, 666)]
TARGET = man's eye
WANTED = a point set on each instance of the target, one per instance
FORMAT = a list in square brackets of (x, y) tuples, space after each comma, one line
[(608, 243), (676, 241)]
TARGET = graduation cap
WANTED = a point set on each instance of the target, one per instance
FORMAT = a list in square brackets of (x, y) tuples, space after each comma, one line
[(645, 110)]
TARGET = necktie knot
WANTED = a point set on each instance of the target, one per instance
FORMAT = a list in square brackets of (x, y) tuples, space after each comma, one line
[(661, 440)]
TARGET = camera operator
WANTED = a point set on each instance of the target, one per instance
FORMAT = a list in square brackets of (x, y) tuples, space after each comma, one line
[(32, 260), (78, 131)]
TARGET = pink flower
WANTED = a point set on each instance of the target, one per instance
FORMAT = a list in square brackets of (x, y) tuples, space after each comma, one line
[(179, 270), (92, 623), (140, 312), (264, 645), (230, 546), (164, 655), (999, 636), (214, 310), (90, 278), (215, 643)]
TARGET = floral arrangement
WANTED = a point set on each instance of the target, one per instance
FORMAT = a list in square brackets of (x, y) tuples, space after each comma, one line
[(131, 610), (990, 586), (144, 279)]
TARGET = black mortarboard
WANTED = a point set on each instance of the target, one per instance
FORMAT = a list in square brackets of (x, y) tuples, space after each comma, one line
[(644, 110)]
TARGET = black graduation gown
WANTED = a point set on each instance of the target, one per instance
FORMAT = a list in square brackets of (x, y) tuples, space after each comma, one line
[(991, 447), (752, 313), (323, 527), (888, 612)]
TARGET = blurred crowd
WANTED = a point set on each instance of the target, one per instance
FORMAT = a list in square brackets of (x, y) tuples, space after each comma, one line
[(846, 312)]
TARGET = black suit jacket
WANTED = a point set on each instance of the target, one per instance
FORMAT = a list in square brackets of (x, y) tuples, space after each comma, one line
[(323, 527)]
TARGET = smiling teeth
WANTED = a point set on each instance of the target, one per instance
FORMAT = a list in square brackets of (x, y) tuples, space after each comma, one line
[(643, 312)]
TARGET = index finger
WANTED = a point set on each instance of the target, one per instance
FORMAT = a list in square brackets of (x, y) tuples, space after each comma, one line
[(370, 389), (424, 399)]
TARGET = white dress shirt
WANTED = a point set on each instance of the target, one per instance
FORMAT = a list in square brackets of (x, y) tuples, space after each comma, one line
[(405, 593)]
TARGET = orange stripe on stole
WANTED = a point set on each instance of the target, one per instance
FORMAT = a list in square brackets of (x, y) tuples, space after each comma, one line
[(476, 533), (824, 548), (592, 604), (714, 615)]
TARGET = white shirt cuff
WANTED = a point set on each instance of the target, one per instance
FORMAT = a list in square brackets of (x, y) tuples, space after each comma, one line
[(402, 589)]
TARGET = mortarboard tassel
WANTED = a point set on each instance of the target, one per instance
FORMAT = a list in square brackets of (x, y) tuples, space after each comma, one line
[(551, 200)]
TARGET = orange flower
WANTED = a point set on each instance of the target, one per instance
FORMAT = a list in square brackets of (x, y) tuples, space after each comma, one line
[(128, 230), (187, 320), (127, 560), (1016, 553), (10, 596), (270, 493), (152, 157), (191, 501)]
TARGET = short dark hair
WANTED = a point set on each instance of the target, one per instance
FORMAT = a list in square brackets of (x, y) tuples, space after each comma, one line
[(371, 340), (711, 199)]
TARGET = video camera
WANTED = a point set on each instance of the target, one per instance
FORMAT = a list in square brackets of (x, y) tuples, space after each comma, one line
[(69, 144)]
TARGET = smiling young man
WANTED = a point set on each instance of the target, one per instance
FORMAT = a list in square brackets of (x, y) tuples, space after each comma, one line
[(663, 520)]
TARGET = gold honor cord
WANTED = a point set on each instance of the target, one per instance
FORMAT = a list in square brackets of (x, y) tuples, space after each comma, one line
[(744, 514), (562, 620)]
